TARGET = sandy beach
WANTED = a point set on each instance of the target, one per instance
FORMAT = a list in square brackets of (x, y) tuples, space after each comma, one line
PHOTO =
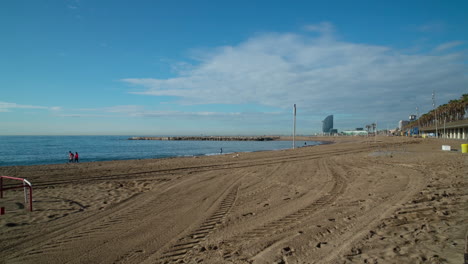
[(357, 200)]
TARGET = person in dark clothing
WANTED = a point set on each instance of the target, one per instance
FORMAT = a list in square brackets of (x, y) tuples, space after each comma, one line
[(76, 157)]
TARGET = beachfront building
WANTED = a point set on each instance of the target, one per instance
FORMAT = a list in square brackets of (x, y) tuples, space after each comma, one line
[(327, 124), (402, 124), (446, 121), (449, 130)]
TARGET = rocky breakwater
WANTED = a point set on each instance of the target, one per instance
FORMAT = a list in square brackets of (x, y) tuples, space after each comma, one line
[(210, 138)]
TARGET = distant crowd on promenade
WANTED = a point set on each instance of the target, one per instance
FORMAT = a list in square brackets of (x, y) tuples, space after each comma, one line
[(73, 157)]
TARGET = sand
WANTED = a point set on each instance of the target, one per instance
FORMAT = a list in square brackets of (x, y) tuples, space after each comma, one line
[(359, 200)]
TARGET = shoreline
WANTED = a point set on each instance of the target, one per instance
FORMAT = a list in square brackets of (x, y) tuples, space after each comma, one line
[(83, 161), (87, 159)]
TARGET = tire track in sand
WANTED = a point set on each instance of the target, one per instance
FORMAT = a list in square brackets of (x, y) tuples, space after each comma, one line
[(338, 235), (280, 225), (186, 244), (167, 173), (99, 232), (114, 223), (348, 233)]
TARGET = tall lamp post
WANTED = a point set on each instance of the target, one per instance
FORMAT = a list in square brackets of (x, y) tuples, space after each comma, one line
[(435, 113), (417, 116), (294, 128)]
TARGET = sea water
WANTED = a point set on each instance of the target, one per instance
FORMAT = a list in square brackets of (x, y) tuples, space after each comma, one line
[(35, 150)]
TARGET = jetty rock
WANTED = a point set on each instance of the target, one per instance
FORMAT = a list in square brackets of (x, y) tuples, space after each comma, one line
[(210, 138)]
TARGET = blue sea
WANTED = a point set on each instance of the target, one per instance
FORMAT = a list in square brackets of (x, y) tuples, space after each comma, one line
[(35, 150)]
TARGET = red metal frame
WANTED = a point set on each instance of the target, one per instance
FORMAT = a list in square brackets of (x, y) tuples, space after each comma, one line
[(26, 183)]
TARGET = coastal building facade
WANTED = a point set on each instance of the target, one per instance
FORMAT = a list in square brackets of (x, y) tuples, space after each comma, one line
[(327, 124), (446, 121), (402, 124)]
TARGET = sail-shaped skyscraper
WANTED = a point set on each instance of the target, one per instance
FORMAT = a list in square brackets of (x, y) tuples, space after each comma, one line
[(327, 125)]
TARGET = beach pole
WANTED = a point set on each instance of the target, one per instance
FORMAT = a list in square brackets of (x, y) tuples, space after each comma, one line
[(375, 133), (294, 128), (419, 123), (25, 193), (30, 194), (445, 135), (435, 113)]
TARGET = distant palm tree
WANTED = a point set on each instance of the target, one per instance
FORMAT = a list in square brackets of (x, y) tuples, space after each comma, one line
[(455, 110)]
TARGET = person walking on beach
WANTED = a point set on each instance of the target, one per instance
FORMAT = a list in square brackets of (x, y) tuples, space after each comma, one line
[(70, 157), (76, 157)]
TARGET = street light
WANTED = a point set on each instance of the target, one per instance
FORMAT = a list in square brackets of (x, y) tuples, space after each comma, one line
[(294, 128), (435, 113), (417, 116)]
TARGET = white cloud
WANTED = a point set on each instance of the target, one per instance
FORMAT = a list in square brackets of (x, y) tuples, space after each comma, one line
[(73, 4), (123, 109), (321, 75), (432, 27), (183, 114), (142, 111), (7, 107), (449, 45), (323, 27)]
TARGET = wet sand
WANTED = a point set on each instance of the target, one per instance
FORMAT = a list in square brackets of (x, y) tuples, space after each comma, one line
[(358, 200)]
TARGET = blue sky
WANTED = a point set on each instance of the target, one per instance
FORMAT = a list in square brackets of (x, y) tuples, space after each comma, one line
[(82, 67)]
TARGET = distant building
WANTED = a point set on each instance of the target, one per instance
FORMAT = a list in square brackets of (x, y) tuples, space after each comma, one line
[(355, 133), (327, 124), (402, 123)]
